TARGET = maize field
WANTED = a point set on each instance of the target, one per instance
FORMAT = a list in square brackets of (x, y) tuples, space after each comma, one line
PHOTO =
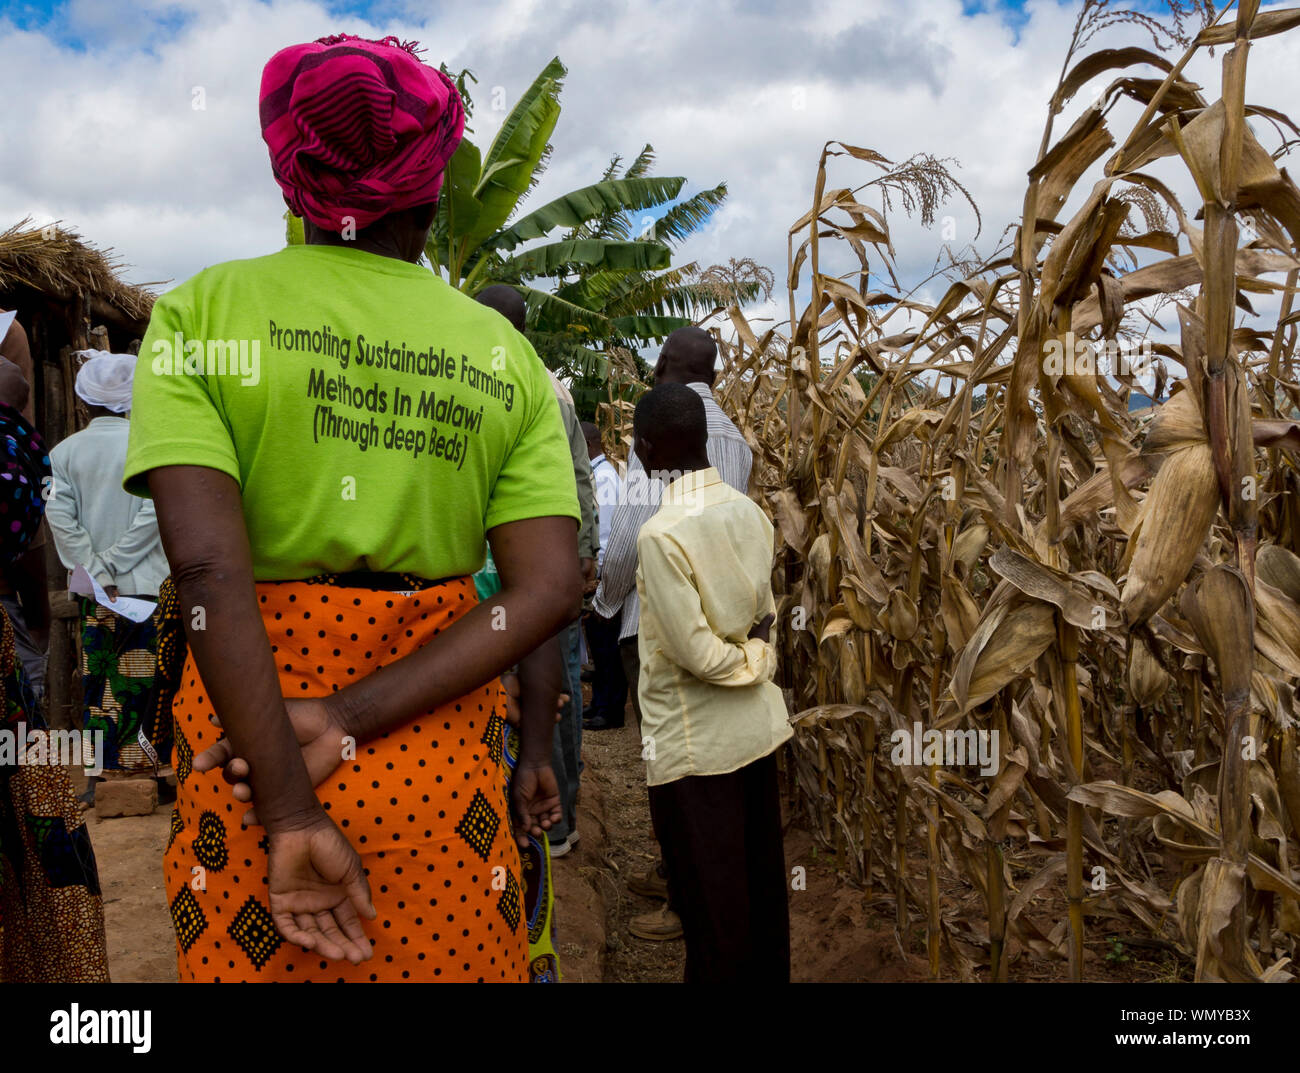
[(976, 533)]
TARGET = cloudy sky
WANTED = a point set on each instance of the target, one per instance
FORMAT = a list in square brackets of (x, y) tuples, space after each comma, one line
[(99, 127)]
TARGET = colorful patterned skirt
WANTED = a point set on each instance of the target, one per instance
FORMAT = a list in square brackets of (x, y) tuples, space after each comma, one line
[(51, 911), (119, 665), (424, 806), (539, 894)]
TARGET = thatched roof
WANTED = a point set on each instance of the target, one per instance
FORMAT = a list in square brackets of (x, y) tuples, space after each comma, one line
[(54, 261)]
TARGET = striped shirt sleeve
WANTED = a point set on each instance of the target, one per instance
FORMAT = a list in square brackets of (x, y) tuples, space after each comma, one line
[(728, 454), (637, 505)]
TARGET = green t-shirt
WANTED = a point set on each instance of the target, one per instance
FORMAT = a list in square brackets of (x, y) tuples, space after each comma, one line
[(375, 418)]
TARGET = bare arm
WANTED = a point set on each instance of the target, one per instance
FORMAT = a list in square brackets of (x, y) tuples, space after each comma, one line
[(201, 520), (541, 592), (316, 885), (535, 791), (541, 681), (15, 391), (14, 346)]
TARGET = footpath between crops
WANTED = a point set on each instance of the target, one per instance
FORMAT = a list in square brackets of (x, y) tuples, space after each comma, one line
[(835, 934)]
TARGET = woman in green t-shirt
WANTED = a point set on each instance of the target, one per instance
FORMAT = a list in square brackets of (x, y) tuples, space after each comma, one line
[(332, 436)]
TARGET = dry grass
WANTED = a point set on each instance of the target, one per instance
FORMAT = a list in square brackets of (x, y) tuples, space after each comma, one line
[(55, 261)]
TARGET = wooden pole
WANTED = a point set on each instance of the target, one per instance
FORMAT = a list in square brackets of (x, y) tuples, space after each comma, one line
[(60, 422), (58, 668)]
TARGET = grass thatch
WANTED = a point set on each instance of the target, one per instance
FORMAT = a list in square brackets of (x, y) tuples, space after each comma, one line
[(55, 261)]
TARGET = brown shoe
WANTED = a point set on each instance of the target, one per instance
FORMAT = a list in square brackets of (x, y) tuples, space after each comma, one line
[(649, 885), (657, 926)]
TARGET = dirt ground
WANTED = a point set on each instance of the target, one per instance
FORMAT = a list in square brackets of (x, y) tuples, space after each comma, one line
[(838, 933), (614, 771), (128, 849), (835, 936)]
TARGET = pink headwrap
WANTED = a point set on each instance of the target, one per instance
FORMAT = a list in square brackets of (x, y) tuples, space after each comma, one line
[(357, 128)]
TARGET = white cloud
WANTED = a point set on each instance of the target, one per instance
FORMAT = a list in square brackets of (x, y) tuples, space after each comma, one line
[(106, 138)]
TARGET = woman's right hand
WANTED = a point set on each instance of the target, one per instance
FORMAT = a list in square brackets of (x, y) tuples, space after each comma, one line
[(318, 891), (514, 698), (535, 795), (321, 734)]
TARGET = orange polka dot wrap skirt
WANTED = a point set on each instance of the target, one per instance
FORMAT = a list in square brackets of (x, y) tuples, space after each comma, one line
[(424, 806)]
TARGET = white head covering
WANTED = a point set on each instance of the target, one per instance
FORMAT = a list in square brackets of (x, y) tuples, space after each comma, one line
[(104, 379)]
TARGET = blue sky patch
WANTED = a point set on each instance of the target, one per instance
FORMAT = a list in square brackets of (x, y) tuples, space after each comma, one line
[(82, 28)]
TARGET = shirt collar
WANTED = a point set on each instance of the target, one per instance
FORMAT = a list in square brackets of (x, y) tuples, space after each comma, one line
[(682, 489), (701, 389), (598, 460)]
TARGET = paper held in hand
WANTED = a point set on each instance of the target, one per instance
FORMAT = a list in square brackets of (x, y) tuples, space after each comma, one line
[(127, 606)]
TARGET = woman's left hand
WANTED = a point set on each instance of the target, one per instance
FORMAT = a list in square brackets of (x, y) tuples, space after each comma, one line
[(318, 892), (536, 800)]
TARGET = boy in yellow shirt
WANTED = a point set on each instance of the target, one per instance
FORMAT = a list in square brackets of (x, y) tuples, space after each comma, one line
[(711, 716)]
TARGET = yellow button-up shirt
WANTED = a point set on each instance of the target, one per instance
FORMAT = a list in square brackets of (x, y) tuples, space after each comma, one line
[(704, 579)]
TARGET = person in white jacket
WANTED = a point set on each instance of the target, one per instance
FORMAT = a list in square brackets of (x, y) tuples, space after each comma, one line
[(114, 535)]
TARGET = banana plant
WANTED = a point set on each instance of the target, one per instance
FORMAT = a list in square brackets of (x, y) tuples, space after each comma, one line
[(476, 238)]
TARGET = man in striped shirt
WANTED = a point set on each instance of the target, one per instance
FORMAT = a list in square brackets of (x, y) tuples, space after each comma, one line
[(689, 356)]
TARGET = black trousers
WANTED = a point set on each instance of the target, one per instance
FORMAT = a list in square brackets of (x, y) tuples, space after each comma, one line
[(721, 840), (631, 659), (609, 686), (630, 656)]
